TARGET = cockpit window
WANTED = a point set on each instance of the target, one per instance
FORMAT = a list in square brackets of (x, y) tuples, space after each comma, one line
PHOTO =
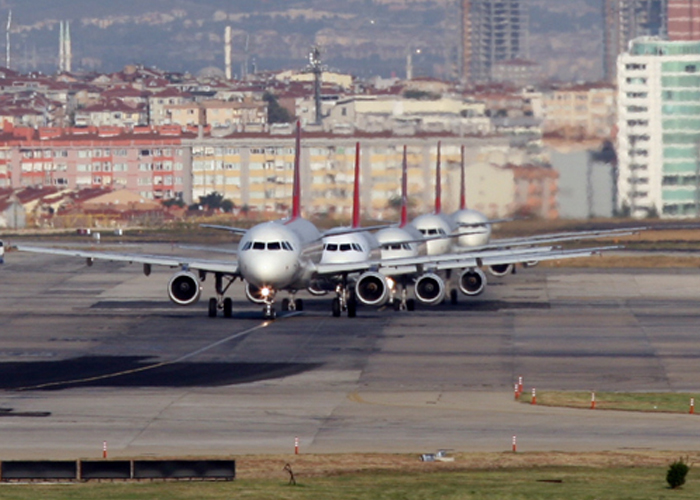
[(356, 247), (259, 245), (332, 247), (432, 231), (423, 231), (247, 245), (274, 245), (406, 246), (345, 247), (286, 246)]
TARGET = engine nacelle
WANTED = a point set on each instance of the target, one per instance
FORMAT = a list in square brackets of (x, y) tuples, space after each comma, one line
[(320, 287), (372, 289), (472, 281), (184, 288), (429, 289), (254, 294), (501, 269), (531, 263)]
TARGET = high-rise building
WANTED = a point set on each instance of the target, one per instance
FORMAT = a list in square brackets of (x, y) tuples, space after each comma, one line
[(492, 31), (659, 128), (683, 20), (626, 20)]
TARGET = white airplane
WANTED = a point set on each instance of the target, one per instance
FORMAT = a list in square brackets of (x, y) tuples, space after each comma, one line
[(428, 264), (272, 256), (341, 247), (285, 255)]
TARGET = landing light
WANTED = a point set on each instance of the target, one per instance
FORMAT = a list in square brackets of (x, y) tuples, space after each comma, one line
[(265, 291), (390, 283)]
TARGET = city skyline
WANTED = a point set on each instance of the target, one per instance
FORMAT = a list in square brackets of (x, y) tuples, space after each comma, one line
[(365, 38)]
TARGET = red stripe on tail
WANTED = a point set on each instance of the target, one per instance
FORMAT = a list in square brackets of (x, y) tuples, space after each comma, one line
[(296, 189), (462, 188), (404, 191), (438, 184), (356, 193)]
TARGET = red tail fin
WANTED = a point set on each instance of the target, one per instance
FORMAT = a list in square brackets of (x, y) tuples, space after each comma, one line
[(438, 183), (404, 191), (296, 188), (356, 193), (462, 188)]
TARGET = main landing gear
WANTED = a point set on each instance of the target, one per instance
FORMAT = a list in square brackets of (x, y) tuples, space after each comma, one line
[(403, 303), (292, 304), (345, 300), (221, 302)]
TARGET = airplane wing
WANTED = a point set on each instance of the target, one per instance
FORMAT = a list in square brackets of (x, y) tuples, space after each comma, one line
[(485, 223), (503, 243), (216, 266), (339, 231), (236, 230), (411, 265), (463, 260)]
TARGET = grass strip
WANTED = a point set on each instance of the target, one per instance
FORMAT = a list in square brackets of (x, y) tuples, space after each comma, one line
[(654, 402)]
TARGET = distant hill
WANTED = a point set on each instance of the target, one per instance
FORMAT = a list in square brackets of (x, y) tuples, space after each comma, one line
[(365, 37)]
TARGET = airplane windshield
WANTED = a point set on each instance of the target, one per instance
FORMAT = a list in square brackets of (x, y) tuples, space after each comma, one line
[(356, 247), (332, 247), (259, 245), (345, 247), (274, 245), (247, 246)]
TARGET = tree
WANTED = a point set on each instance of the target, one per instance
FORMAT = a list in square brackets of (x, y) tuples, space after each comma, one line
[(173, 202), (227, 206), (275, 112), (213, 200), (675, 477)]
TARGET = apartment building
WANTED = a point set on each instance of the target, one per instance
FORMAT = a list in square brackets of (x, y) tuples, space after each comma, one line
[(659, 128), (150, 162), (579, 111)]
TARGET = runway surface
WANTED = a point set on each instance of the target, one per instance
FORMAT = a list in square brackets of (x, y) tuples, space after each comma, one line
[(93, 354)]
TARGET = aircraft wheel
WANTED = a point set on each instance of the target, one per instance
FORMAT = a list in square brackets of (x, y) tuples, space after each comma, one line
[(454, 297), (228, 307), (213, 304), (299, 304), (285, 304), (352, 307), (269, 312), (335, 307), (411, 305)]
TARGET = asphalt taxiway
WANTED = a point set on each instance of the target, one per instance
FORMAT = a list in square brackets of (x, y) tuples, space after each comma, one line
[(93, 354)]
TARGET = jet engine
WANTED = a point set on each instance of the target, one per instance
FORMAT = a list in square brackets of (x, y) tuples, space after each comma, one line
[(372, 289), (184, 288), (319, 287), (429, 289), (501, 269), (254, 294), (472, 281)]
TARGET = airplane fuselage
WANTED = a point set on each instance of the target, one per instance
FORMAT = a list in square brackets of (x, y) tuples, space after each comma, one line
[(481, 232), (280, 254)]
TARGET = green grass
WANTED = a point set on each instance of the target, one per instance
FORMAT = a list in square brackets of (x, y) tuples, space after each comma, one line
[(659, 402), (504, 484)]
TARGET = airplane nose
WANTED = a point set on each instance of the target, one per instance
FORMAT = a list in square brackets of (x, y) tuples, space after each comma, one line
[(270, 269)]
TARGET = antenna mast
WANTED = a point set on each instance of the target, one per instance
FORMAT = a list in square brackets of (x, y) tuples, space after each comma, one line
[(7, 40)]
